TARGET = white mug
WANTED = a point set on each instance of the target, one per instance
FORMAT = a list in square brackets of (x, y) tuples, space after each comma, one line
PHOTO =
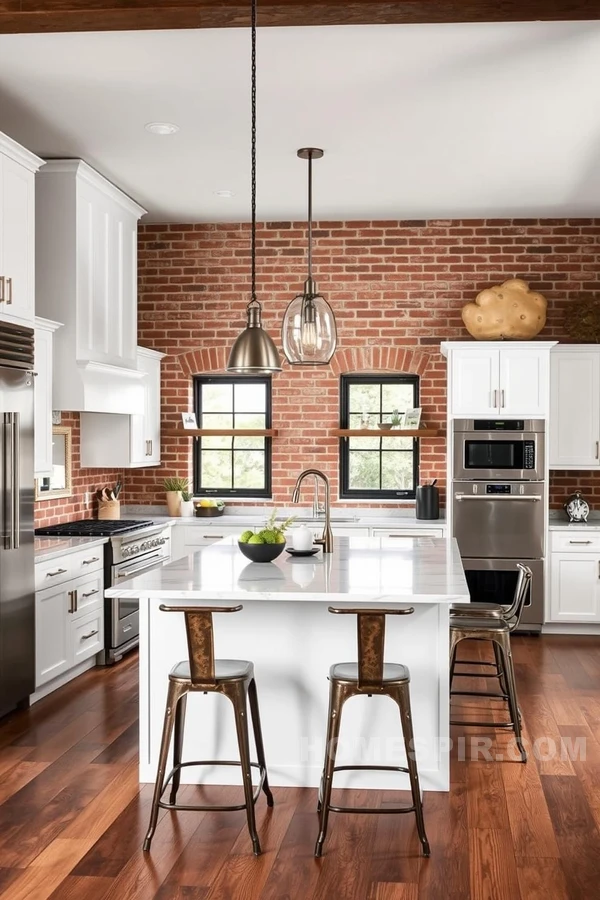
[(302, 538)]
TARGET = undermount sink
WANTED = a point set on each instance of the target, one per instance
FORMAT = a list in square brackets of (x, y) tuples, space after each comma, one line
[(318, 521)]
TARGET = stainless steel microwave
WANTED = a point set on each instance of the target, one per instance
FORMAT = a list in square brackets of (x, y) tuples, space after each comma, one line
[(511, 449)]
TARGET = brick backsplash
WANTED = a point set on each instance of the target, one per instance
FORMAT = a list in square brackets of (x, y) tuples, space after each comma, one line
[(394, 285)]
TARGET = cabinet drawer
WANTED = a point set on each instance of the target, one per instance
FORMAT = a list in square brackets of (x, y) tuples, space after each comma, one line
[(577, 541), (201, 535), (87, 636), (90, 595), (83, 562), (52, 572)]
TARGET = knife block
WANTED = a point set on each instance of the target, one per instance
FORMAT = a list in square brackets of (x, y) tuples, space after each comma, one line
[(109, 509)]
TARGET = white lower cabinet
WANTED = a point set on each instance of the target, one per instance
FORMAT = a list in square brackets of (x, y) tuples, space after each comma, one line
[(69, 614), (575, 577)]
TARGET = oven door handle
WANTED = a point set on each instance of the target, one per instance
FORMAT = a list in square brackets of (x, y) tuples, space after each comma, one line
[(506, 498), (149, 563)]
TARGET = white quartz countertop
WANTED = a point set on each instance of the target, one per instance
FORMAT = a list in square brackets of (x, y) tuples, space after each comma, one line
[(255, 518), (46, 548), (593, 525), (415, 570)]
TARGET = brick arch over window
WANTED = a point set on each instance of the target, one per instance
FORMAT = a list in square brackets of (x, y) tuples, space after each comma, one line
[(351, 359)]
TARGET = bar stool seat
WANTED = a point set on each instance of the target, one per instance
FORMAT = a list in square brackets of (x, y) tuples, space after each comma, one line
[(225, 670), (490, 623), (348, 671), (483, 609), (202, 673), (369, 676)]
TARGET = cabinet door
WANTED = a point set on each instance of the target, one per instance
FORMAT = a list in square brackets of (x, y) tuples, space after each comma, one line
[(52, 634), (575, 587), (574, 409), (145, 429), (43, 403), (87, 636), (474, 377), (523, 382), (106, 276), (18, 247)]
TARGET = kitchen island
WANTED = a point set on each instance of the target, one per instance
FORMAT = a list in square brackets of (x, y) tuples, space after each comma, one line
[(286, 630)]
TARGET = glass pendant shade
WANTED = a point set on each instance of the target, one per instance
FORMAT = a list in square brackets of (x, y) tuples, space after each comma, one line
[(254, 352), (309, 333)]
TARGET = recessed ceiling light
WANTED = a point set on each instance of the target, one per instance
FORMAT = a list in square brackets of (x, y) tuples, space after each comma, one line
[(161, 128), (225, 194)]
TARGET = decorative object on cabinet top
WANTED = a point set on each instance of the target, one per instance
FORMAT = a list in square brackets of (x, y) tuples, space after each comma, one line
[(577, 508), (508, 310), (582, 320)]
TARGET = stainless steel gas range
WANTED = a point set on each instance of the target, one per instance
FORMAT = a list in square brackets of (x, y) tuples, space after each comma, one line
[(133, 548)]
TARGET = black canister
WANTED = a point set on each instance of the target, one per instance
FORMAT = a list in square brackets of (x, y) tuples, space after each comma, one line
[(427, 502)]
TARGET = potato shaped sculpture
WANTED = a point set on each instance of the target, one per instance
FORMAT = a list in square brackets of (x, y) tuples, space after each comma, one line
[(508, 310)]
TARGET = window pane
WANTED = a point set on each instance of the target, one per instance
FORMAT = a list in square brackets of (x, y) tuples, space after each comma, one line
[(365, 443), (250, 420), (397, 443), (215, 469), (364, 398), (249, 470), (397, 471), (251, 397), (397, 396), (249, 443), (217, 397), (363, 470), (217, 443), (217, 420)]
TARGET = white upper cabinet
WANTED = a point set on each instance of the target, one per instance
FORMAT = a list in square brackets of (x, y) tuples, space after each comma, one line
[(44, 330), (86, 259), (575, 407), (17, 232), (488, 378), (115, 441)]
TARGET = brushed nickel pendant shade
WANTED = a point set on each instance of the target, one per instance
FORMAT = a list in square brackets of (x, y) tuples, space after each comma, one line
[(253, 352), (309, 331)]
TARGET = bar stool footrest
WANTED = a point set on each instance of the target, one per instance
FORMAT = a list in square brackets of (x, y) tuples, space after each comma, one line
[(368, 810), (211, 762), (493, 695)]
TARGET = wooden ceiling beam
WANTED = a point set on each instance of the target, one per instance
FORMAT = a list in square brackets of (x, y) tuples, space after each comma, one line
[(27, 16)]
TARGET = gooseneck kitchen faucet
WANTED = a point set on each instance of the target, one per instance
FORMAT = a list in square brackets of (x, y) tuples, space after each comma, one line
[(327, 538)]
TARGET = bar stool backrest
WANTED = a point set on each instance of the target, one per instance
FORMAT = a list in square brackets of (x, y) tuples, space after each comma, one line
[(515, 610), (200, 640), (370, 629)]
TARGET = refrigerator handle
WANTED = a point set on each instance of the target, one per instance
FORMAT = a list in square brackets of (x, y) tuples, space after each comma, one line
[(16, 497)]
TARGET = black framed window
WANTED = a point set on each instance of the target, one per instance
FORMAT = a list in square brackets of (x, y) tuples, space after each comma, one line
[(385, 465), (232, 466)]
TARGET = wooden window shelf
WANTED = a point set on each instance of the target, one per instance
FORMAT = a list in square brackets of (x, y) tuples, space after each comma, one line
[(220, 432), (389, 432)]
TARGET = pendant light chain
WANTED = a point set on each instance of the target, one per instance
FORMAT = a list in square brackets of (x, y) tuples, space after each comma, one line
[(310, 156), (253, 156)]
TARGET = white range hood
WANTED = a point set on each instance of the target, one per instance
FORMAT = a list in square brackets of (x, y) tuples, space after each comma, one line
[(97, 388)]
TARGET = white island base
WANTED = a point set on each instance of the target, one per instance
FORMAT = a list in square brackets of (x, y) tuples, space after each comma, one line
[(286, 630)]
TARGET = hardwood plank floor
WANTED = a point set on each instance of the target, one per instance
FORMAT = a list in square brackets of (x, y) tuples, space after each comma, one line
[(73, 816)]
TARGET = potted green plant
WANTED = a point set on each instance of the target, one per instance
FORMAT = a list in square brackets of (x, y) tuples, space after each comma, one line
[(187, 503), (396, 419), (174, 486)]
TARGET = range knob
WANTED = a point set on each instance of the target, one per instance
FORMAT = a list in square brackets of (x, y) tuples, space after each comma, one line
[(144, 545), (132, 549)]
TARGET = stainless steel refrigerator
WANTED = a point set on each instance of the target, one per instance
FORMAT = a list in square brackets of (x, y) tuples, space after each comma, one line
[(17, 599)]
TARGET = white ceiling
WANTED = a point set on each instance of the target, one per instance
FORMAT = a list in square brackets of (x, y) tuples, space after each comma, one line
[(417, 121)]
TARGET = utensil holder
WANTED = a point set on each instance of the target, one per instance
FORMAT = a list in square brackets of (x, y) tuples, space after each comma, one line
[(109, 509)]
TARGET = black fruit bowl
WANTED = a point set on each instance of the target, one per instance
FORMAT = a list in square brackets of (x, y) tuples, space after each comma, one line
[(261, 552), (208, 512)]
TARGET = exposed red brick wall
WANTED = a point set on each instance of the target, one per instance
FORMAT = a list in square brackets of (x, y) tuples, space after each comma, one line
[(398, 285), (52, 512)]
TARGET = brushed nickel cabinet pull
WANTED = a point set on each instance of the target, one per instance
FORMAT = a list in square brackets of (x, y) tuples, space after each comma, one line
[(495, 399), (88, 562), (91, 593), (150, 442), (597, 449), (58, 572), (9, 282), (86, 637), (215, 537), (502, 404), (2, 289), (580, 542), (71, 596)]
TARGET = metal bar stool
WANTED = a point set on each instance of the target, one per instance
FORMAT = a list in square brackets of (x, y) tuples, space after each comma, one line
[(369, 676), (202, 672), (496, 628)]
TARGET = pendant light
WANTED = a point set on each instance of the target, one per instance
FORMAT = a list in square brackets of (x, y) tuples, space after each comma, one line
[(253, 352), (309, 332)]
